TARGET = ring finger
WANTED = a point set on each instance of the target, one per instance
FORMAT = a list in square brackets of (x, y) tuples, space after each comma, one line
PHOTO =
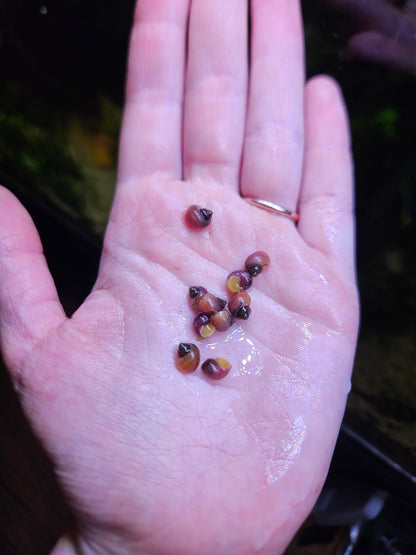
[(273, 146)]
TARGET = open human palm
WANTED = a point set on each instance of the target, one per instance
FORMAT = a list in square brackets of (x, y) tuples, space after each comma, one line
[(152, 460)]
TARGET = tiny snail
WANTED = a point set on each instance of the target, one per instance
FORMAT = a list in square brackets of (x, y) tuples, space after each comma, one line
[(216, 368), (239, 305), (203, 326), (187, 358), (222, 320), (209, 304), (238, 281), (205, 302), (198, 217), (195, 292), (257, 262)]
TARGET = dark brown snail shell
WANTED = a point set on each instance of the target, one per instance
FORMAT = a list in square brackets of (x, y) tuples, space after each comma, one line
[(216, 368), (188, 358), (238, 281), (239, 305), (257, 262), (198, 217), (222, 320), (205, 302), (195, 292), (209, 304), (203, 326)]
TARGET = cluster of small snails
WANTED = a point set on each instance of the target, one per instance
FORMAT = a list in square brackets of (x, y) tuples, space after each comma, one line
[(213, 313), (188, 361)]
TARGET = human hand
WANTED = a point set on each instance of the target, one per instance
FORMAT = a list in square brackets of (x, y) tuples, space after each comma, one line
[(151, 460), (386, 33)]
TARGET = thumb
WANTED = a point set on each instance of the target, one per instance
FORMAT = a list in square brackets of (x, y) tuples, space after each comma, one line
[(29, 303)]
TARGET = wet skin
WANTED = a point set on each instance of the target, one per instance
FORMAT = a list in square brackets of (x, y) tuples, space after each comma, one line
[(153, 460)]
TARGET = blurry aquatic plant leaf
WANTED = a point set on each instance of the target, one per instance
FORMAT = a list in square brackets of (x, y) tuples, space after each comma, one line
[(37, 156), (386, 120)]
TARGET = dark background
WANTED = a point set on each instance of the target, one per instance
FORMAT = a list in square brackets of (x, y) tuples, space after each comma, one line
[(62, 69)]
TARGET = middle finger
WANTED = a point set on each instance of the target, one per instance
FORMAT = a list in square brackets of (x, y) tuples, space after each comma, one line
[(216, 87)]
